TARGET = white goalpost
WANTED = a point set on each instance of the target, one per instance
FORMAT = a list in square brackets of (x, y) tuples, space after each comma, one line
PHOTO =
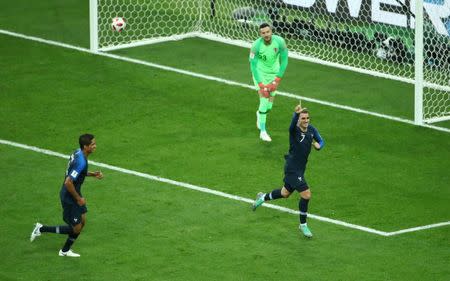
[(404, 40), (418, 64)]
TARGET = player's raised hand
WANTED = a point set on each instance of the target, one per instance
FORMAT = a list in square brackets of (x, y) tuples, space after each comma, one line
[(298, 108), (274, 84)]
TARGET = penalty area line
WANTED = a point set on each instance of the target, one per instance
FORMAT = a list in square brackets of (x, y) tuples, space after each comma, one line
[(193, 187), (222, 194)]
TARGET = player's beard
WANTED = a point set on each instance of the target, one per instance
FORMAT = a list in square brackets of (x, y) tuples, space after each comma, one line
[(268, 39)]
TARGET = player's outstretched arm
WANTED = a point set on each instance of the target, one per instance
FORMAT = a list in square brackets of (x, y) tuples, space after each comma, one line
[(97, 174)]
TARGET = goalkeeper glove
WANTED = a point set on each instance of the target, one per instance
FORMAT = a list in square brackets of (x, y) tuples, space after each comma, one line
[(274, 85), (264, 90)]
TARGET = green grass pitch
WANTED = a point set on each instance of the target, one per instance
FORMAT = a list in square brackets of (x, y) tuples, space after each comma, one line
[(373, 172)]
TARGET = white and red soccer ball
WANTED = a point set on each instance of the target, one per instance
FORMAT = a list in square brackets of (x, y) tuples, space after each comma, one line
[(118, 24)]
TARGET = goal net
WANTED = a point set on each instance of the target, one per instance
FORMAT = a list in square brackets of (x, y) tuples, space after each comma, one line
[(369, 36), (436, 71)]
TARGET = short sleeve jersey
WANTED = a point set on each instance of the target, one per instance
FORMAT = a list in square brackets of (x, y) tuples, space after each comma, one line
[(77, 171)]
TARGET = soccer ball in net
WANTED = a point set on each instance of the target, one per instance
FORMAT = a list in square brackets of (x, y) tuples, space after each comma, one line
[(118, 24)]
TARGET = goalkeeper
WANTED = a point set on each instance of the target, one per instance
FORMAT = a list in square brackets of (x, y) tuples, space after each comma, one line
[(268, 62)]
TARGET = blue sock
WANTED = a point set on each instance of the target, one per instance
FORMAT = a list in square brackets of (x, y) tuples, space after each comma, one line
[(303, 207), (60, 229), (69, 242), (275, 194)]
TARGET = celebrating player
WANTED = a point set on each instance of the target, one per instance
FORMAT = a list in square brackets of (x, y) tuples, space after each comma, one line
[(302, 136), (268, 62)]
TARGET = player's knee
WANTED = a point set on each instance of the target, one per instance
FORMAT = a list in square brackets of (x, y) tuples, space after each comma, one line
[(83, 220), (76, 229), (306, 194), (262, 110), (285, 193)]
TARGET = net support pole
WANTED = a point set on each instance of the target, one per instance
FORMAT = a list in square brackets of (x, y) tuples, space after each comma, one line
[(93, 25), (418, 68)]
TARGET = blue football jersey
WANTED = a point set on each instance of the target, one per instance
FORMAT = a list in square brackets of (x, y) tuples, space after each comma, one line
[(77, 170), (300, 146)]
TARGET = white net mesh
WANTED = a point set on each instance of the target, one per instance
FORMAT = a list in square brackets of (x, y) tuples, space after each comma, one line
[(436, 93), (146, 19), (375, 36)]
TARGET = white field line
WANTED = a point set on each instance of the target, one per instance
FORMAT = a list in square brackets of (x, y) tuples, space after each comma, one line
[(223, 194), (217, 79), (418, 228)]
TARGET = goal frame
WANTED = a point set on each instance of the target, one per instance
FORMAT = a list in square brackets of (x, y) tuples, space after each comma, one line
[(418, 80)]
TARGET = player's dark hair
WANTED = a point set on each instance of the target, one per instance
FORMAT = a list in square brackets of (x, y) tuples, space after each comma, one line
[(263, 25), (85, 139)]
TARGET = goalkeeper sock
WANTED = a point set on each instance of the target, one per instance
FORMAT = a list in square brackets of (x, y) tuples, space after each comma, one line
[(275, 194), (60, 229), (262, 121), (262, 111), (269, 105), (303, 207)]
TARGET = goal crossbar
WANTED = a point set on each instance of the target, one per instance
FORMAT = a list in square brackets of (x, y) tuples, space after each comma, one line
[(343, 45)]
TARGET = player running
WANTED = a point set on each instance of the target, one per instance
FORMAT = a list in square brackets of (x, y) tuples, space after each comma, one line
[(302, 136), (72, 201)]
